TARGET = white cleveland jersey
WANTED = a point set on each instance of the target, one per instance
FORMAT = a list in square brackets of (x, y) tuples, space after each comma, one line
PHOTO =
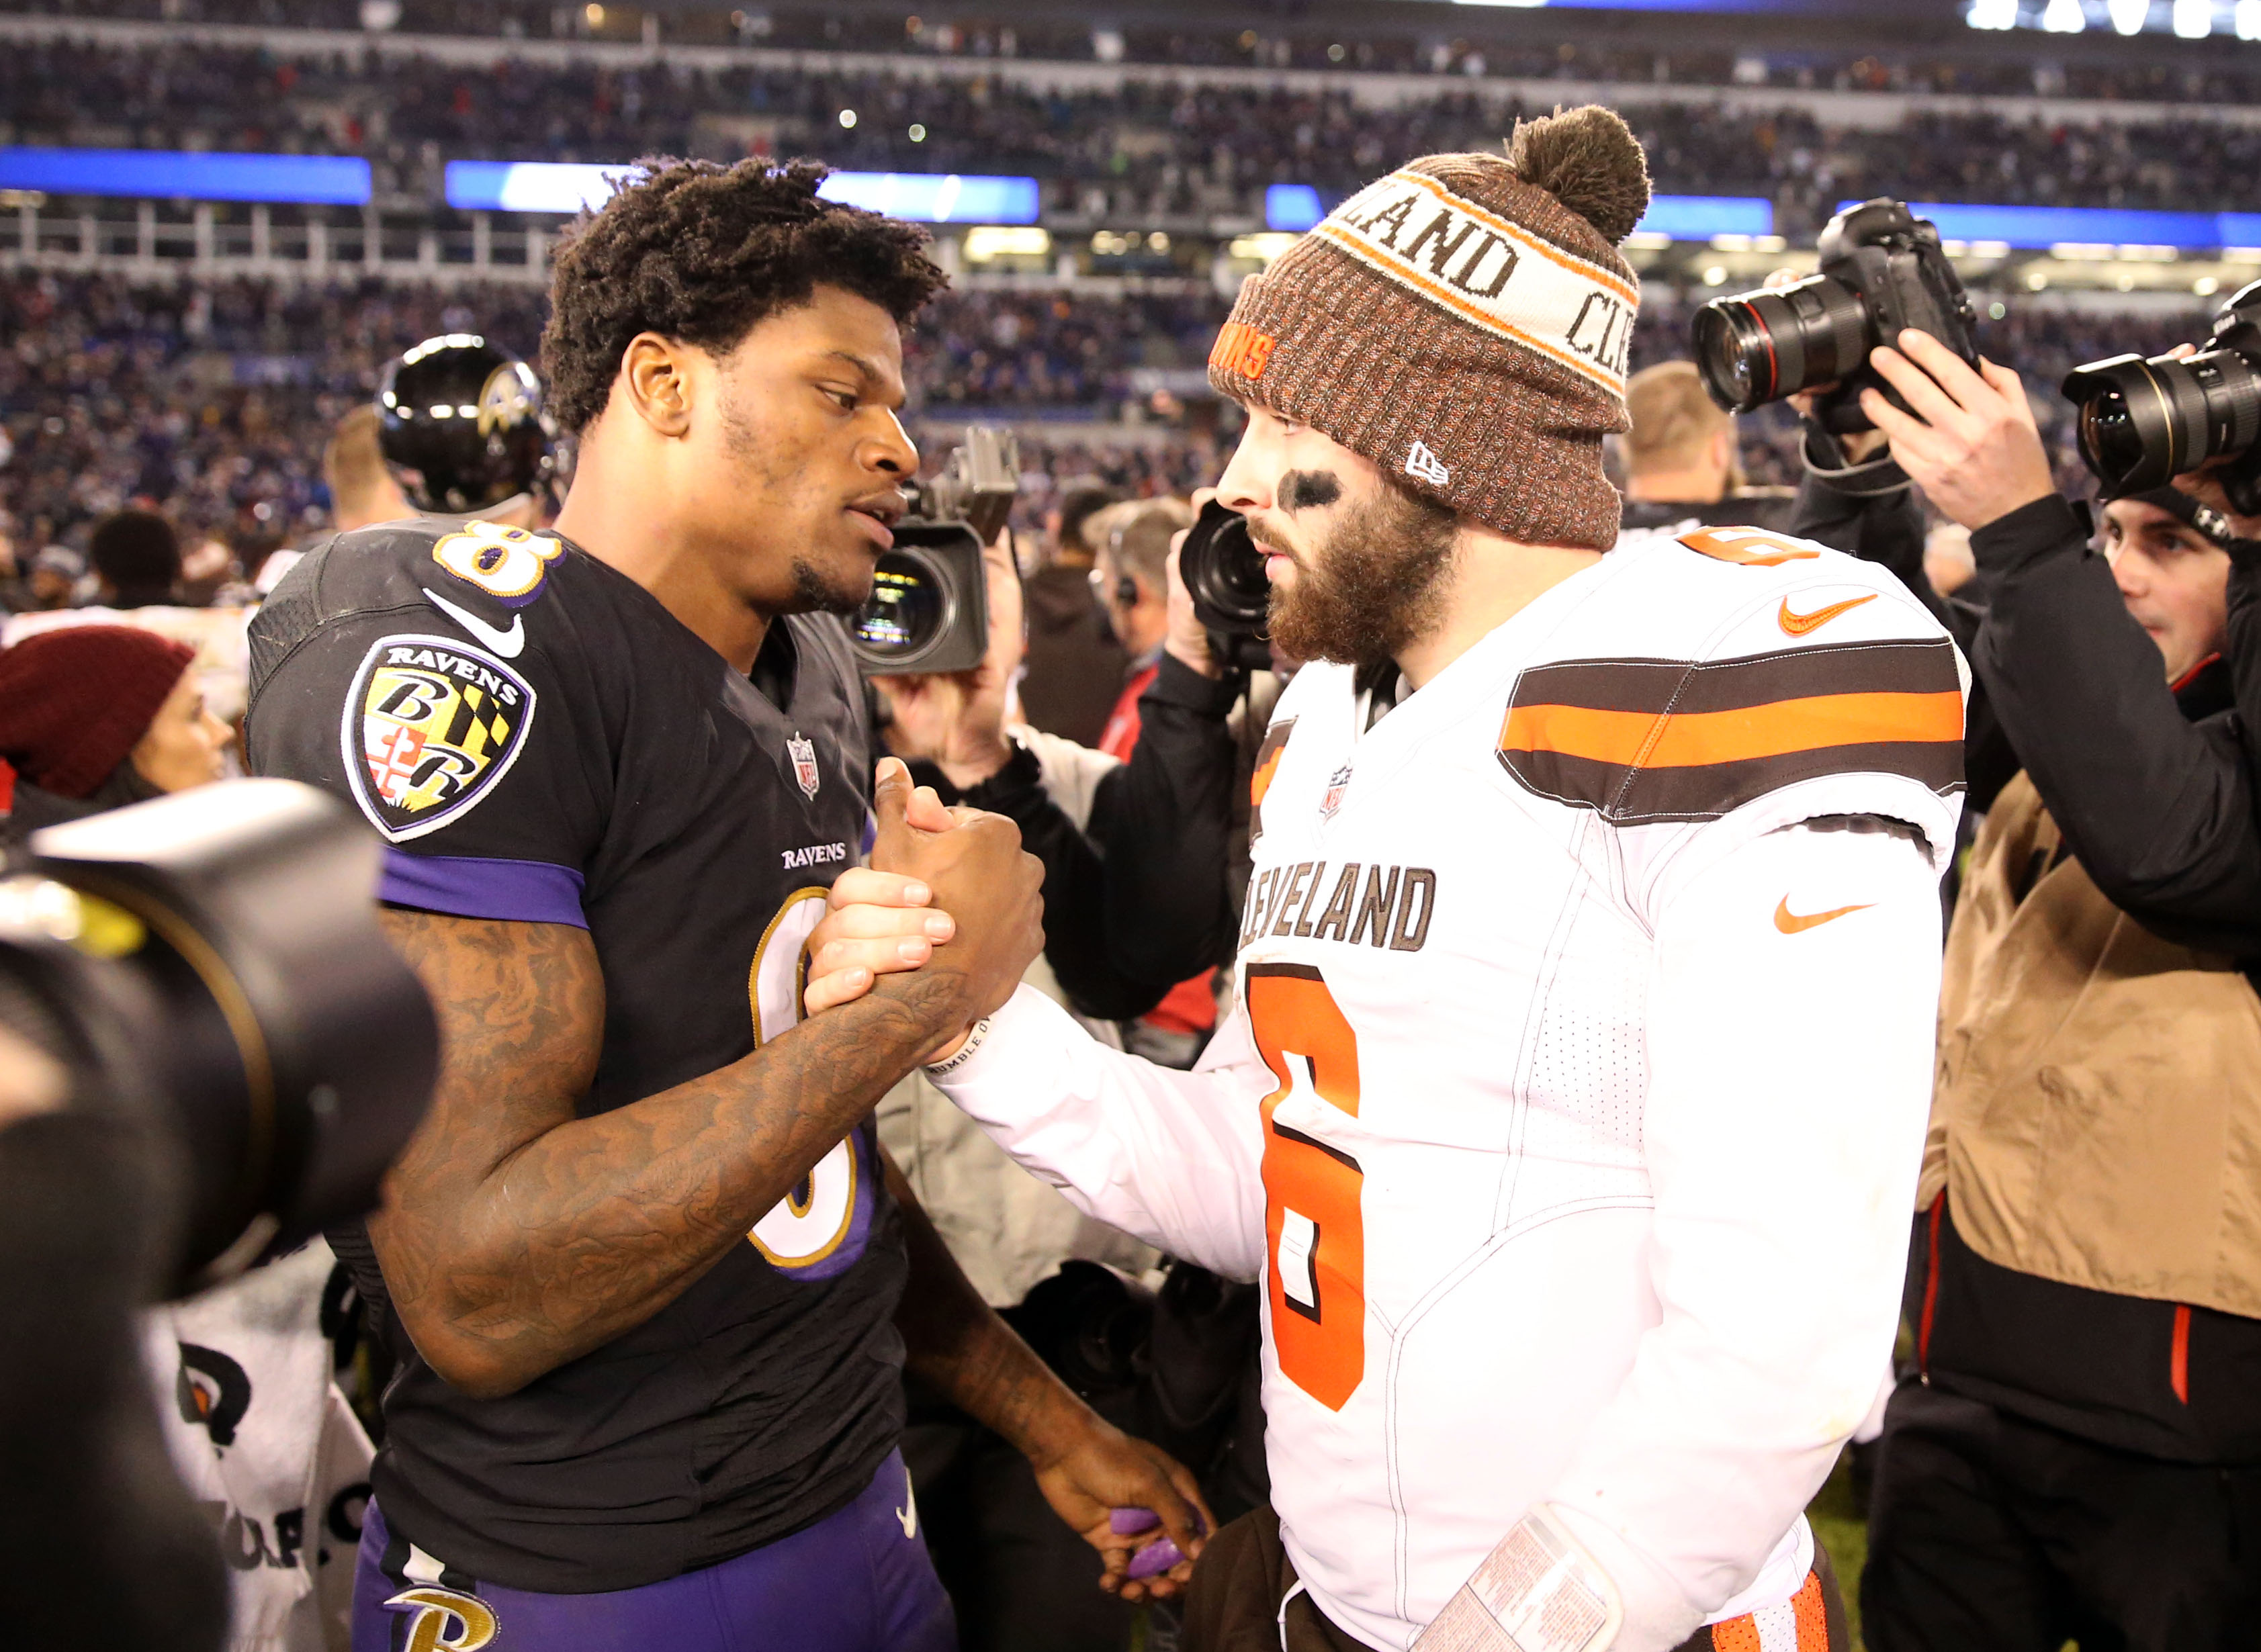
[(1576, 1084)]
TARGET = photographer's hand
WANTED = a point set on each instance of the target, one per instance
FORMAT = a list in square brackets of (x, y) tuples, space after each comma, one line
[(1187, 640), (1971, 442)]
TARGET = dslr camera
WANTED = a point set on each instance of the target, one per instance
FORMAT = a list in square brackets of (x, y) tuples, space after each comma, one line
[(1223, 573), (928, 609), (208, 971), (1882, 270), (2142, 423)]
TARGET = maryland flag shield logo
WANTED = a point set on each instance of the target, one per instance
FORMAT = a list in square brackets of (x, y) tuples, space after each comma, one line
[(430, 726)]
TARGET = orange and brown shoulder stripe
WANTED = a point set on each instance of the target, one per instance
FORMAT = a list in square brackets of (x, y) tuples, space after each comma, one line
[(1640, 741)]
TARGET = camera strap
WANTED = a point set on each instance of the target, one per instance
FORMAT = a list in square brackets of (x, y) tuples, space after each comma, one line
[(1872, 479)]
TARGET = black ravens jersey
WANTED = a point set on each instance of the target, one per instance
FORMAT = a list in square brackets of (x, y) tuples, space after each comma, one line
[(537, 738)]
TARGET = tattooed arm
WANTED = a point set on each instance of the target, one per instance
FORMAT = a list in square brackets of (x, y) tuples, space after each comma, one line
[(515, 1236), (955, 1344)]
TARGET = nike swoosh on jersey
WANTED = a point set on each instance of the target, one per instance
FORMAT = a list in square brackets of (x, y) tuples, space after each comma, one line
[(1798, 624), (1790, 922), (505, 643)]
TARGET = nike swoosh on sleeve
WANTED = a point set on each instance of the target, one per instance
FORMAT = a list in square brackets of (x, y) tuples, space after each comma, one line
[(505, 643), (1798, 624), (1789, 922)]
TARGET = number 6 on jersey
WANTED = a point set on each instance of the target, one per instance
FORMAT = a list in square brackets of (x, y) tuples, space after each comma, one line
[(1315, 1232)]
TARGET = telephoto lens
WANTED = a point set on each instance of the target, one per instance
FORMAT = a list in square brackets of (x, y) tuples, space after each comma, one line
[(1882, 270), (2141, 423)]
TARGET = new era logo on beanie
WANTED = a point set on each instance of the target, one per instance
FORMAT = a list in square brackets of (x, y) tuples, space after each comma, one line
[(1423, 466), (1464, 322)]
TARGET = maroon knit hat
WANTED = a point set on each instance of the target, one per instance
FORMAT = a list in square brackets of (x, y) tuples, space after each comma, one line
[(77, 700), (1463, 323)]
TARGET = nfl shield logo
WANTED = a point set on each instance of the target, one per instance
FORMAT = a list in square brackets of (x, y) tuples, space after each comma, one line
[(1336, 787), (803, 754)]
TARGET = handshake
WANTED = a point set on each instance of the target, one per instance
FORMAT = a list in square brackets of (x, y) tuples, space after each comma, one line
[(950, 900)]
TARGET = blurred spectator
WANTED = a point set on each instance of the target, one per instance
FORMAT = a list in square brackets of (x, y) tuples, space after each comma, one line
[(137, 561), (1130, 573), (363, 492), (1683, 466), (51, 580), (96, 717), (1075, 665)]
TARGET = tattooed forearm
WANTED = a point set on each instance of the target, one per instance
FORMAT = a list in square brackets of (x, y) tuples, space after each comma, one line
[(955, 1344), (515, 1236)]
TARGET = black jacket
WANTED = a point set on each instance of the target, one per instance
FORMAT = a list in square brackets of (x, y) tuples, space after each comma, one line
[(1141, 899)]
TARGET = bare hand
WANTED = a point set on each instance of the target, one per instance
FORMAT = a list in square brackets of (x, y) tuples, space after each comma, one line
[(1187, 639), (958, 721), (1103, 1469), (977, 873), (1971, 443)]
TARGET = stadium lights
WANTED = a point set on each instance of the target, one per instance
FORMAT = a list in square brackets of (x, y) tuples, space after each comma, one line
[(311, 180), (987, 241), (923, 198), (2076, 233), (2063, 16), (2247, 19), (2128, 16)]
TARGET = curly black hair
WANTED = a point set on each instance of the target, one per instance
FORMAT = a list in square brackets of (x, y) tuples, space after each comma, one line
[(701, 252)]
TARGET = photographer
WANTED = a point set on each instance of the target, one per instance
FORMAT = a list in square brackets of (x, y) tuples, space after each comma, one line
[(2075, 1457)]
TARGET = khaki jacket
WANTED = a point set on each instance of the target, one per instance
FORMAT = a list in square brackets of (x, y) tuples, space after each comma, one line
[(2097, 1117)]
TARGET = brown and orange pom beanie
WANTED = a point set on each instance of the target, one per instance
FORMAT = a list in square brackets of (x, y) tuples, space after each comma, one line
[(1465, 323)]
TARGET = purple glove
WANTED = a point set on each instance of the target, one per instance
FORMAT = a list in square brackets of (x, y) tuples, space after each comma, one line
[(1158, 1556)]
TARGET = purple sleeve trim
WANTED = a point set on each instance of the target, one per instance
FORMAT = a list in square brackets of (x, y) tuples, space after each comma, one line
[(464, 886)]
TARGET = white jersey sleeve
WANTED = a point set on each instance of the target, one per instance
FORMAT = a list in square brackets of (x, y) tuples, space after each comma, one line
[(1791, 999), (1168, 1157)]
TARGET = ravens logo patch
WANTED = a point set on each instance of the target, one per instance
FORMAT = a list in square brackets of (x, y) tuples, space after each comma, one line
[(430, 726)]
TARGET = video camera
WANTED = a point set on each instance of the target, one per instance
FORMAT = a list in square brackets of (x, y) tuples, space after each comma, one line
[(2142, 423), (928, 609), (208, 970), (1882, 270), (1223, 573)]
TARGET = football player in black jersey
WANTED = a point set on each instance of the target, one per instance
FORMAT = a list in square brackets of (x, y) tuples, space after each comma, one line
[(650, 1281)]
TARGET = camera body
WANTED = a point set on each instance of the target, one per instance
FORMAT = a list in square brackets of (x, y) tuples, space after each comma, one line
[(2143, 422), (928, 609), (208, 970), (1882, 270), (1224, 574)]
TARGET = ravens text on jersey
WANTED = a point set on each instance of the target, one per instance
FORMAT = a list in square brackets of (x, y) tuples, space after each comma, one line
[(539, 740)]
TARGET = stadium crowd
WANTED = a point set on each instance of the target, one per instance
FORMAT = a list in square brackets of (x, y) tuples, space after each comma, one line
[(211, 399), (1140, 148), (229, 503), (1286, 41)]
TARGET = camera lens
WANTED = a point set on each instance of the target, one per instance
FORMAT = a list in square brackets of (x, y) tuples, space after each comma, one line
[(1223, 573), (908, 611), (1759, 346), (2142, 423), (2109, 442)]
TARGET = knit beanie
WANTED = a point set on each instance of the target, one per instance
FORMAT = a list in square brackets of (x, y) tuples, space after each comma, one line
[(1464, 322), (75, 701)]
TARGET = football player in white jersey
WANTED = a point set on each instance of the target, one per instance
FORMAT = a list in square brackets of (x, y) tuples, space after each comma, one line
[(1576, 1077)]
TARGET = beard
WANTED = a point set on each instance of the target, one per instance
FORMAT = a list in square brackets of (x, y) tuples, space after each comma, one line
[(816, 592), (1374, 586)]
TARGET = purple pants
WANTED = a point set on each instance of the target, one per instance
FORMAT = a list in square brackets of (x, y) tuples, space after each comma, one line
[(856, 1581)]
